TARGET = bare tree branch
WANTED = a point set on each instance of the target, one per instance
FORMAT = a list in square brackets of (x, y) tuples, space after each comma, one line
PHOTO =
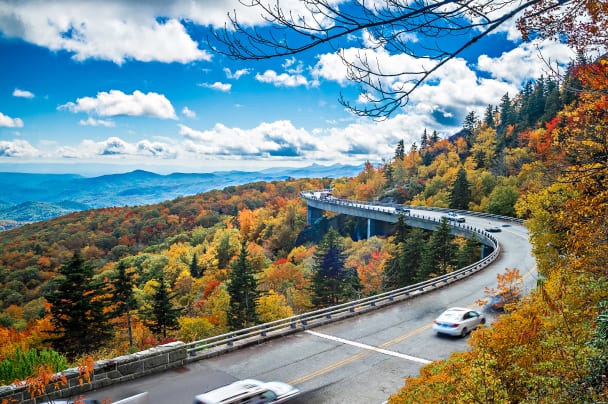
[(443, 28)]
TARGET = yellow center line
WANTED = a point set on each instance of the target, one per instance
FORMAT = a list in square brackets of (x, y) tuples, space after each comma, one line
[(357, 356)]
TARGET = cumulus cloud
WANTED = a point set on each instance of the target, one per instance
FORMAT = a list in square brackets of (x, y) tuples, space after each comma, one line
[(116, 103), (116, 147), (219, 86), (282, 80), (274, 141), (17, 148), (96, 122), (187, 112), (118, 31), (278, 138), (529, 60), (236, 74), (22, 93), (9, 122), (124, 30)]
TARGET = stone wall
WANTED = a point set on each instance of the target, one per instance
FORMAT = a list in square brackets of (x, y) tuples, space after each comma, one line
[(106, 372)]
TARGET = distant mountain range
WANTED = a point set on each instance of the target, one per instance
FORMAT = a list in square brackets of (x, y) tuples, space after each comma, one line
[(36, 197)]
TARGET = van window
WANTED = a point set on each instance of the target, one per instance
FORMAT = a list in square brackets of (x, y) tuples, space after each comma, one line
[(266, 396)]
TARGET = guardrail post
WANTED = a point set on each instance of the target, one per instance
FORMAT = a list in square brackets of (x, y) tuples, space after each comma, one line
[(328, 315), (263, 330), (352, 307), (293, 323), (303, 320), (390, 297), (230, 342)]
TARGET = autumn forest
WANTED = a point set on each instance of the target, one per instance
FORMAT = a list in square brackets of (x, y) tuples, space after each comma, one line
[(105, 282)]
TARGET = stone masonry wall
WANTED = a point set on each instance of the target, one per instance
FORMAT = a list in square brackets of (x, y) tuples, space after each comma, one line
[(105, 373)]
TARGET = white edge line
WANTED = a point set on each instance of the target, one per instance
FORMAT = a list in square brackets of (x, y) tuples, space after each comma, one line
[(371, 348)]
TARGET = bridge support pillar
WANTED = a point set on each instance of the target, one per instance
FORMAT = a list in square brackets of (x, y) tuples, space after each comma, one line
[(373, 226), (485, 250), (312, 214)]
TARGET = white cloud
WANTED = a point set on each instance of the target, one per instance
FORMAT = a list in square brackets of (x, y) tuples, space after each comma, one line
[(525, 61), (96, 122), (452, 92), (118, 31), (17, 148), (282, 80), (22, 93), (115, 103), (9, 122), (281, 140), (219, 86), (115, 147), (236, 74), (187, 112), (122, 30)]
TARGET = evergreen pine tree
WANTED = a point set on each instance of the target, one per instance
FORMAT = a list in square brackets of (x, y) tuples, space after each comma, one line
[(488, 118), (469, 253), (123, 296), (243, 291), (195, 270), (388, 174), (401, 268), (434, 137), (78, 310), (224, 252), (412, 255), (461, 191), (439, 252), (470, 122), (400, 151), (424, 140), (163, 315), (330, 280), (401, 230)]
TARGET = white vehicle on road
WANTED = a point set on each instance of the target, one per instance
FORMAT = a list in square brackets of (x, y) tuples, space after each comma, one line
[(249, 391), (458, 321), (453, 216)]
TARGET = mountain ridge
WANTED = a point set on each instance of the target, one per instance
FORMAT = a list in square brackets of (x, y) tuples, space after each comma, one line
[(30, 198)]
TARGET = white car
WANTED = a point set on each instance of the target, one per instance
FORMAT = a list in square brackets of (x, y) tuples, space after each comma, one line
[(458, 321), (454, 217), (249, 391)]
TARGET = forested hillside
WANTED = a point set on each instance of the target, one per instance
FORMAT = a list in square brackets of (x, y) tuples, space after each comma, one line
[(552, 347), (109, 281)]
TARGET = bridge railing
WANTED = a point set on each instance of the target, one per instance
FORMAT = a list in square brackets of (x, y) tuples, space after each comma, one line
[(221, 343), (381, 206)]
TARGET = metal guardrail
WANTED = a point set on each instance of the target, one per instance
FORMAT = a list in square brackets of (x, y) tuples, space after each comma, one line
[(210, 346), (378, 206)]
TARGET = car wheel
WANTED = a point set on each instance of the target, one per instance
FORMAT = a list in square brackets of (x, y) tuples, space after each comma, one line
[(483, 321), (463, 333)]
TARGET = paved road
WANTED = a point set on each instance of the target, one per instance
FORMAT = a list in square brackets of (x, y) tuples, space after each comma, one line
[(359, 360)]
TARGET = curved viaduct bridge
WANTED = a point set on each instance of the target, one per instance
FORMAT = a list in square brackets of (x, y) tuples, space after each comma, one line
[(381, 217)]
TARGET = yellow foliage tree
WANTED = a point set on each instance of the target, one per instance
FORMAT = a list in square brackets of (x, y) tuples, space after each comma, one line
[(273, 306)]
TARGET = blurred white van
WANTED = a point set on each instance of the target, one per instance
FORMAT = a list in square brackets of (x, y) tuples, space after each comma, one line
[(249, 391)]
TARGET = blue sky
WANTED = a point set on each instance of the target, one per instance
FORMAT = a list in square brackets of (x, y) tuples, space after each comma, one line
[(103, 87)]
